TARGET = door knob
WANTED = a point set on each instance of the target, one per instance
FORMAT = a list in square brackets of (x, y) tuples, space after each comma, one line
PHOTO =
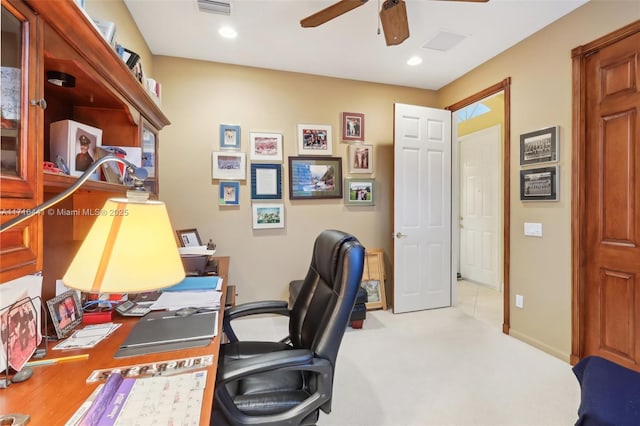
[(400, 235)]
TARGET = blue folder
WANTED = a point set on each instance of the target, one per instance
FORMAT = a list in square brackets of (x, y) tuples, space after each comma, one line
[(195, 283)]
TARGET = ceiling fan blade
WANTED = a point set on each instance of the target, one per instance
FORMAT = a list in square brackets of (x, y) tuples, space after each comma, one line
[(393, 16), (333, 11)]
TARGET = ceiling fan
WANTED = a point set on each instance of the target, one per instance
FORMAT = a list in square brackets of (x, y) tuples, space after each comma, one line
[(393, 16)]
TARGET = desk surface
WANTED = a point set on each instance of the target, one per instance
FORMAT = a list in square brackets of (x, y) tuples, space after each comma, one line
[(54, 392)]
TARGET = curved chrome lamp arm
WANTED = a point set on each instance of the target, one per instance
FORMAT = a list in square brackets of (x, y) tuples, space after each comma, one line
[(137, 173)]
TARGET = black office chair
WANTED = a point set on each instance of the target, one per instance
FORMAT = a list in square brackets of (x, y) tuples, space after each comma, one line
[(288, 382)]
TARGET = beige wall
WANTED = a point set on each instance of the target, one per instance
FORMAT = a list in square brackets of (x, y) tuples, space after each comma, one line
[(199, 96), (540, 68)]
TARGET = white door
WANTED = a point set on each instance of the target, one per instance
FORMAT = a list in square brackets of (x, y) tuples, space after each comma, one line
[(422, 208), (480, 175)]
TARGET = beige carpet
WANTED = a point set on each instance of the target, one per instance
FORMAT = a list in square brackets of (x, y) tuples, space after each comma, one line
[(440, 367)]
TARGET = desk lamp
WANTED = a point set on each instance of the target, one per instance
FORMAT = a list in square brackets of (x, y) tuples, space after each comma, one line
[(130, 247)]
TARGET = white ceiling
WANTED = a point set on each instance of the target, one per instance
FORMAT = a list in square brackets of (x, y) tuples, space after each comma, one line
[(270, 36)]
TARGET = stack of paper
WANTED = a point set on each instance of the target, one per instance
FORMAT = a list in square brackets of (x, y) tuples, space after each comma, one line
[(88, 337), (197, 250), (197, 292)]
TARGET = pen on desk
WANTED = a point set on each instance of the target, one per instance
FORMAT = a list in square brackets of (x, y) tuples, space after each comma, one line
[(57, 360)]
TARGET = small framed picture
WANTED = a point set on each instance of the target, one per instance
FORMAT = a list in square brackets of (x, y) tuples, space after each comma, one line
[(229, 136), (540, 146), (189, 238), (359, 192), (66, 312), (229, 193), (539, 184), (315, 177), (229, 165), (21, 334), (314, 139), (266, 181), (74, 144), (352, 126), (268, 215), (265, 146), (360, 158), (373, 277)]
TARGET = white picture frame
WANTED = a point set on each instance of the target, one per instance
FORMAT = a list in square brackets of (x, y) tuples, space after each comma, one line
[(268, 215), (315, 139), (265, 146), (228, 165), (361, 158), (74, 144)]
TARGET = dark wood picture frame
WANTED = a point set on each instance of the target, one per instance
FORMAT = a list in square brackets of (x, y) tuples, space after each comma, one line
[(540, 184), (315, 178), (189, 237)]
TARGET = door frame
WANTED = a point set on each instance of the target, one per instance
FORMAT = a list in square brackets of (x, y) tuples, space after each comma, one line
[(578, 178), (505, 87)]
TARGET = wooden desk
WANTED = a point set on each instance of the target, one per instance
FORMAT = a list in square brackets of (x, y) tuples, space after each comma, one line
[(54, 392)]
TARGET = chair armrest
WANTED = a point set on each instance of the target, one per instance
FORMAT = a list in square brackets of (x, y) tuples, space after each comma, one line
[(277, 307), (295, 359), (238, 368)]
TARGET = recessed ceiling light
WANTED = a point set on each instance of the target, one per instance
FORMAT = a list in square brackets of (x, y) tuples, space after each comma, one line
[(227, 32), (414, 60)]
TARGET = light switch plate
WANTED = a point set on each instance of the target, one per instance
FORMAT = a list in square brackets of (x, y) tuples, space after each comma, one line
[(533, 229)]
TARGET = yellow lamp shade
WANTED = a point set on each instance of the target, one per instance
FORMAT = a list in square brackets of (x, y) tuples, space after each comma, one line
[(130, 248)]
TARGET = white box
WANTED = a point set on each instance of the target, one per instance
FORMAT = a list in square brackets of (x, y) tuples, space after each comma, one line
[(68, 140)]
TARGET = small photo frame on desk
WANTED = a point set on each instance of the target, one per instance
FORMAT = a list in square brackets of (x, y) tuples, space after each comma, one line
[(66, 312), (189, 237)]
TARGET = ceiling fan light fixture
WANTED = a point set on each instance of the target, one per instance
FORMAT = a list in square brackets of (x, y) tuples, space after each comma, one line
[(393, 16)]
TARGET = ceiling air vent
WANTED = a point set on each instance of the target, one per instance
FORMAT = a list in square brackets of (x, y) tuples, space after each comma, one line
[(210, 6)]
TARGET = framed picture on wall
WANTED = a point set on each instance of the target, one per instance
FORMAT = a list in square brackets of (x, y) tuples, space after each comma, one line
[(352, 126), (540, 146), (229, 165), (229, 136), (539, 184), (315, 177), (360, 158), (229, 193), (266, 181), (359, 192), (268, 215), (314, 139), (265, 146)]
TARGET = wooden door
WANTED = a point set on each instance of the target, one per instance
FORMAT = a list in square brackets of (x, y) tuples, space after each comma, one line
[(608, 294)]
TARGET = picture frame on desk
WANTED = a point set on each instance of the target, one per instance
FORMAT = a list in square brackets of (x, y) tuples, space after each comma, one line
[(189, 237), (66, 312)]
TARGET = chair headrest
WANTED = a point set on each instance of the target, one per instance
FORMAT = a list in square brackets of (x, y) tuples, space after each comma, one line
[(326, 252)]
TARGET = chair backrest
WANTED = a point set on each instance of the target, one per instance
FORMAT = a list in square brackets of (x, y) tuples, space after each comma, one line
[(320, 314)]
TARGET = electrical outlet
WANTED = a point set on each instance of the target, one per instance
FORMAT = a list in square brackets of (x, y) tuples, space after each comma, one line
[(519, 301)]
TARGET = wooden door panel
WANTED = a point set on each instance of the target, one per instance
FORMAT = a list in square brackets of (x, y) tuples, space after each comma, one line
[(612, 204)]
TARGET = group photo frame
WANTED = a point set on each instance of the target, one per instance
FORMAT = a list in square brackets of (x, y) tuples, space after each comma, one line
[(228, 165), (268, 215), (265, 146), (539, 146), (315, 139), (539, 184), (315, 177)]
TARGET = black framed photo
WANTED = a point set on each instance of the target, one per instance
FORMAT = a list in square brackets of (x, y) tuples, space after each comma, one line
[(266, 181), (315, 177), (539, 184), (66, 312), (540, 146)]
